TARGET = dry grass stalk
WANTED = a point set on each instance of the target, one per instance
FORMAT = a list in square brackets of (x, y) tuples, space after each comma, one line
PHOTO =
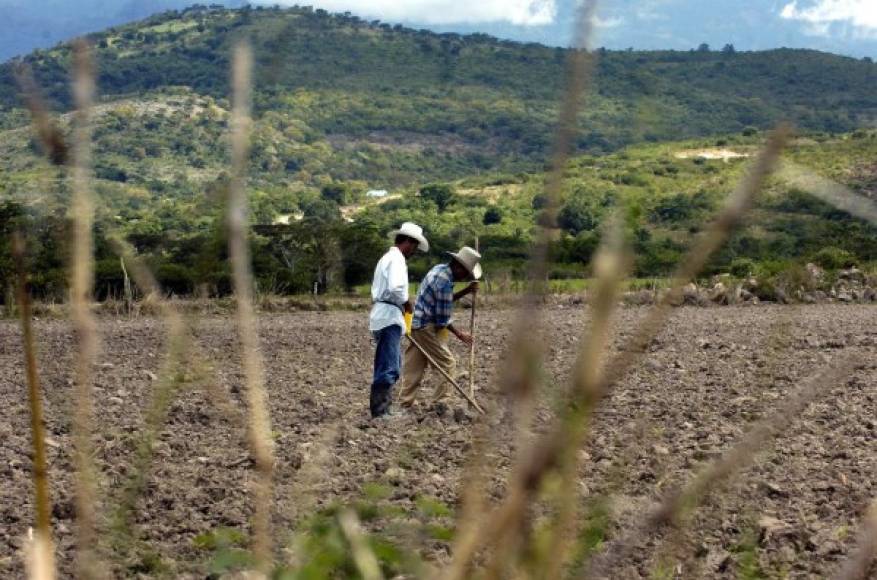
[(81, 289), (56, 150), (545, 455), (181, 347), (259, 420), (170, 379), (128, 291), (42, 564), (677, 505), (829, 191), (610, 266), (39, 557), (48, 133), (476, 478), (864, 560), (739, 456), (363, 556), (518, 378), (561, 447), (691, 265)]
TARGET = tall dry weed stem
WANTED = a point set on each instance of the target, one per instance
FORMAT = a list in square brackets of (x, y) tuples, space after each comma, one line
[(168, 381), (81, 290), (363, 557), (677, 505), (694, 261), (39, 554), (41, 557), (519, 377), (829, 191), (863, 562), (48, 133), (547, 454), (610, 266), (261, 445)]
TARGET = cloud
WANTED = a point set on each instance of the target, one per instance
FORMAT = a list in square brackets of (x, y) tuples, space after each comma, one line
[(611, 22), (820, 15), (519, 12)]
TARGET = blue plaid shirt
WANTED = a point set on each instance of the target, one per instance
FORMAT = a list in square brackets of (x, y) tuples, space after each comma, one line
[(435, 298)]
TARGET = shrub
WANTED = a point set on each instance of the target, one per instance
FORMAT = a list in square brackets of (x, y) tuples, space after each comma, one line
[(633, 178), (742, 267), (108, 278), (832, 258), (675, 208), (338, 192), (577, 216), (440, 194), (492, 216), (175, 278), (658, 258)]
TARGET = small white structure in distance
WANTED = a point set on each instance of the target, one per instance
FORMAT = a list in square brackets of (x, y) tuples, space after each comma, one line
[(377, 193)]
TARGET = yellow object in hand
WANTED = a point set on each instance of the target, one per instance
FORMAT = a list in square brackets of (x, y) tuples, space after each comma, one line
[(442, 333), (409, 318)]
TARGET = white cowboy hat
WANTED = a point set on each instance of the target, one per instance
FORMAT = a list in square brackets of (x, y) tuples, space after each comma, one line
[(468, 258), (413, 231)]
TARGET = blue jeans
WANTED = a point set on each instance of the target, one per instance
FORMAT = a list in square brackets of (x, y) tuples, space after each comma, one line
[(388, 363)]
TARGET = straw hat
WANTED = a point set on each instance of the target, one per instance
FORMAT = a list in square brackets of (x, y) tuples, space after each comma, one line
[(413, 231), (469, 259)]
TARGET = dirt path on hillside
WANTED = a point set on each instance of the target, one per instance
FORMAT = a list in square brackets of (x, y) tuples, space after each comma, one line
[(709, 374)]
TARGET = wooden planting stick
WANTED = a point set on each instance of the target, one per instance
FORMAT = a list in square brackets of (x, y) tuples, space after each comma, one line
[(448, 377), (472, 333)]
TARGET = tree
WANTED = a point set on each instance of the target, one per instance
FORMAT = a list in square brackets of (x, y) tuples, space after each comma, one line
[(493, 215), (577, 216), (729, 49), (703, 47), (11, 218), (338, 192), (440, 194), (361, 247), (321, 211)]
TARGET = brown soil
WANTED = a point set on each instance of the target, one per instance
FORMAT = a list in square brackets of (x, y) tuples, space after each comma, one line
[(709, 375)]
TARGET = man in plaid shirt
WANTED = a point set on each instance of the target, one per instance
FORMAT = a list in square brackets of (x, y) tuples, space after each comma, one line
[(432, 322)]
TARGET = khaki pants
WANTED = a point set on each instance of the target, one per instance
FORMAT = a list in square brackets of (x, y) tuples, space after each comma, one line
[(435, 342)]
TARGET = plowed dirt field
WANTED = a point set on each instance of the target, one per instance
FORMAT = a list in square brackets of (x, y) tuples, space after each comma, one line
[(709, 375)]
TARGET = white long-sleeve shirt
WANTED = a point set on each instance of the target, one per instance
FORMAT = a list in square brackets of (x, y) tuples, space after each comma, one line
[(390, 284)]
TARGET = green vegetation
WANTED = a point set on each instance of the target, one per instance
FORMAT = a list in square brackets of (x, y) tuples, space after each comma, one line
[(456, 127), (321, 549), (665, 191), (340, 98)]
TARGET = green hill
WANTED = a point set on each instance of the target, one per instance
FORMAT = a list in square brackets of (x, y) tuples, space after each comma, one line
[(345, 99), (344, 106)]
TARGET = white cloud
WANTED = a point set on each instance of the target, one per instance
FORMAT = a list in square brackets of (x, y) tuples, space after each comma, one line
[(611, 22), (861, 15), (520, 12)]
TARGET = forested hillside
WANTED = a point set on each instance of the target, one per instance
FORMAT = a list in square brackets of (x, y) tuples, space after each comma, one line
[(342, 98), (666, 192), (456, 128)]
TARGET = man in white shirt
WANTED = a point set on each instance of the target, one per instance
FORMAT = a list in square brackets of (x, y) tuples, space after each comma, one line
[(387, 320)]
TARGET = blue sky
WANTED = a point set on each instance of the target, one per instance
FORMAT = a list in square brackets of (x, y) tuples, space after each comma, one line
[(841, 26)]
